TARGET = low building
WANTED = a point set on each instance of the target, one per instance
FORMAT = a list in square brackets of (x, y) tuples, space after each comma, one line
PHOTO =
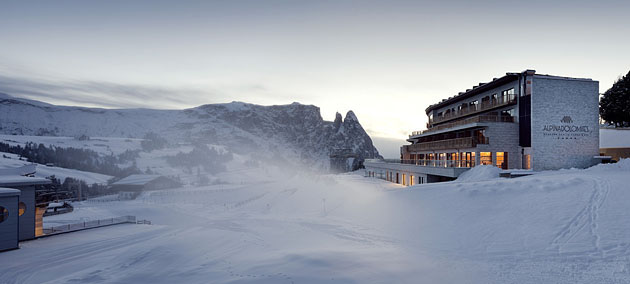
[(518, 121), (141, 182), (614, 143), (9, 213), (31, 214)]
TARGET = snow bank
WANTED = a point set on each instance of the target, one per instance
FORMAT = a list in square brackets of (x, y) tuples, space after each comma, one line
[(623, 164), (480, 173)]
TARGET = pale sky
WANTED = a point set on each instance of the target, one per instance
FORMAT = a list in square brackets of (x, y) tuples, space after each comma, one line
[(385, 60)]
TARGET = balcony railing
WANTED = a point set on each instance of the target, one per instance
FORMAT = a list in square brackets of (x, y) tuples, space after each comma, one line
[(474, 119), (457, 143), (472, 109), (436, 163)]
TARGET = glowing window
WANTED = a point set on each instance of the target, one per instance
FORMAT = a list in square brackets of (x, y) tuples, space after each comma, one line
[(485, 158), (502, 160), (22, 208)]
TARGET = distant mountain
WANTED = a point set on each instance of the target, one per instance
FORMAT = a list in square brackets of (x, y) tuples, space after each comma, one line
[(279, 134)]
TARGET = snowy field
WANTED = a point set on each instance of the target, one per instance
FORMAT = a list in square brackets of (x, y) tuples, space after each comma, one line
[(11, 161), (101, 145), (567, 226)]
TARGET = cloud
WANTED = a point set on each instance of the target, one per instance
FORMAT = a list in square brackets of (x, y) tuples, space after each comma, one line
[(109, 95)]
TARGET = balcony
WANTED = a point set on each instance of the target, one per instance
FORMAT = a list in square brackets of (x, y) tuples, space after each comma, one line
[(475, 119), (457, 143), (435, 163), (472, 109)]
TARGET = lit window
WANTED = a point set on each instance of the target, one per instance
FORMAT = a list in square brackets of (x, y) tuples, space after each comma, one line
[(528, 162), (485, 158), (502, 160), (22, 208)]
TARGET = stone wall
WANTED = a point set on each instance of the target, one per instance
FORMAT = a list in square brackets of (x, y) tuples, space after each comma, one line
[(565, 129)]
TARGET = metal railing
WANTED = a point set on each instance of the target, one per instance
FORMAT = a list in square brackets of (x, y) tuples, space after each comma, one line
[(471, 109), (434, 163), (89, 224), (475, 119), (456, 143)]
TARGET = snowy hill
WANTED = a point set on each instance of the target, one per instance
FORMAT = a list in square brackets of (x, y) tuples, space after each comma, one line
[(285, 133), (11, 161)]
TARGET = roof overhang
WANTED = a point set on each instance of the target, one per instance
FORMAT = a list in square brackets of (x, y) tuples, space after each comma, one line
[(11, 181)]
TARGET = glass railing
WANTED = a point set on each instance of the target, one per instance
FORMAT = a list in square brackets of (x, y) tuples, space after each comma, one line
[(456, 143), (434, 163)]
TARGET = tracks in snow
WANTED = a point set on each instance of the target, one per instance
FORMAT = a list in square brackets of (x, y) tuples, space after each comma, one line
[(585, 219)]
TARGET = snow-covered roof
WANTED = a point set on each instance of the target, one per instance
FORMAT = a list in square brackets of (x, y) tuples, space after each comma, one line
[(9, 192), (136, 179), (20, 171), (16, 180)]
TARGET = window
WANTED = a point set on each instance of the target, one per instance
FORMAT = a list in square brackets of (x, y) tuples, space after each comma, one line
[(397, 178), (502, 160), (509, 112), (474, 105), (527, 162), (22, 208), (480, 135), (485, 158), (507, 95), (411, 180), (404, 179), (4, 214)]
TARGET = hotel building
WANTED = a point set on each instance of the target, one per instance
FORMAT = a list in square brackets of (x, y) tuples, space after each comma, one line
[(523, 121)]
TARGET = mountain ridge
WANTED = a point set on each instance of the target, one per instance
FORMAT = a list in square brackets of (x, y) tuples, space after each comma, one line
[(286, 132)]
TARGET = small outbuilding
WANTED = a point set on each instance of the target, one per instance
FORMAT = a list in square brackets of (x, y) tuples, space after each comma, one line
[(31, 216), (141, 182), (9, 213)]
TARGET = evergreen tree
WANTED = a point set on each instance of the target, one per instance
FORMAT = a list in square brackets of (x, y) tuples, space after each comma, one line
[(614, 107)]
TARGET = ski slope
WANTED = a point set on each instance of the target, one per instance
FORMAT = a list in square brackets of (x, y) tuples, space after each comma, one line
[(564, 226)]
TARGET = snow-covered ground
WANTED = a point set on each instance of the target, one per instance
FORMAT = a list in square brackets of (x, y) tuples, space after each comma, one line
[(565, 226), (10, 161)]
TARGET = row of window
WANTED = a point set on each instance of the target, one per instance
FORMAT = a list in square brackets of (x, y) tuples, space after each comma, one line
[(506, 96), (395, 177), (464, 159), (4, 212)]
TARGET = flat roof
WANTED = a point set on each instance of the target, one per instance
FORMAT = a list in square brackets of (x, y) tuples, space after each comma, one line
[(9, 181), (9, 192)]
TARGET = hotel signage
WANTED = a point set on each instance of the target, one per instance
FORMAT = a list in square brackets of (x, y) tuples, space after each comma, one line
[(566, 130)]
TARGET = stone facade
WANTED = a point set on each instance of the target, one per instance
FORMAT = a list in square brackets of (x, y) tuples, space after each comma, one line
[(565, 127)]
